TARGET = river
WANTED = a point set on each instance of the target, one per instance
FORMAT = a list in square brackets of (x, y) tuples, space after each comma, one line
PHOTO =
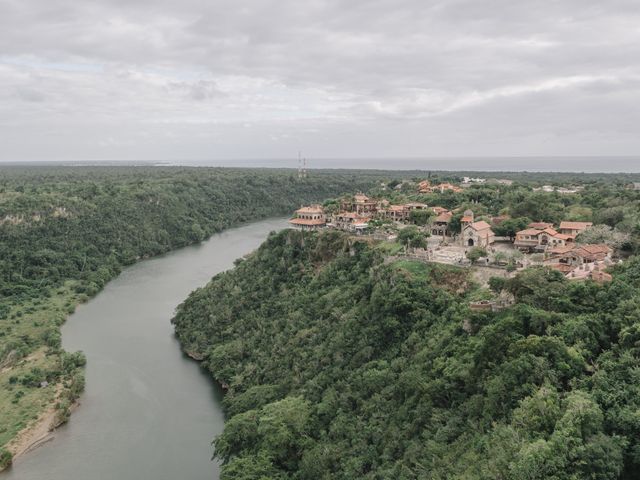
[(148, 411)]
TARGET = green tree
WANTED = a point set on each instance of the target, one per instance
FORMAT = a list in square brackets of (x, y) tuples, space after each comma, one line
[(476, 253), (412, 237), (421, 217)]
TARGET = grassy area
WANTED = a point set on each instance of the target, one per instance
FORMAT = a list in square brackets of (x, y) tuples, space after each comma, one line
[(390, 248), (418, 270), (21, 404), (450, 277), (32, 354)]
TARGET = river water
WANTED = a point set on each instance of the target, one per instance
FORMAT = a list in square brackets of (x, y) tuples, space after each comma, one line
[(148, 412)]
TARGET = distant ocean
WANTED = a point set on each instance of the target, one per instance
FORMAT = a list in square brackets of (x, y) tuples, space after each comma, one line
[(586, 164)]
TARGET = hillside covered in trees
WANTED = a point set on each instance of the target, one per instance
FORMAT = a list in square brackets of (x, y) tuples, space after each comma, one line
[(66, 231), (341, 365)]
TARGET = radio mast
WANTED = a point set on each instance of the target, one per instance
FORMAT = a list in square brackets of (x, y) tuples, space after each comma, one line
[(302, 166)]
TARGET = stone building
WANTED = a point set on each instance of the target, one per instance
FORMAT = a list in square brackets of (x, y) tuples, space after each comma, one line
[(477, 234), (440, 224)]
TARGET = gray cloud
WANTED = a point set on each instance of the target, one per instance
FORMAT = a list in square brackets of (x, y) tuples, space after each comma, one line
[(172, 79)]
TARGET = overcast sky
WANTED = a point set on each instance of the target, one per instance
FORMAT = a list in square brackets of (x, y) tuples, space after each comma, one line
[(211, 79)]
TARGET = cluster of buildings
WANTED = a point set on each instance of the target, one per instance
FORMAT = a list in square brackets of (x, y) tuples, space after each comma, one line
[(426, 187), (561, 252), (539, 236), (561, 190), (575, 261), (354, 214), (582, 262)]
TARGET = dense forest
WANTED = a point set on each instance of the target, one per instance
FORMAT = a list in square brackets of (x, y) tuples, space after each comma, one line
[(66, 231), (339, 364)]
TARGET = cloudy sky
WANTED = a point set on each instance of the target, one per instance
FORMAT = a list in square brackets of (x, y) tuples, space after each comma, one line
[(213, 79)]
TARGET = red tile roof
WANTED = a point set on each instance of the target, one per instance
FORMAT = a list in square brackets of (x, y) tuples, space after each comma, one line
[(529, 231), (444, 217), (310, 209), (595, 248), (481, 225), (304, 221), (398, 208), (540, 225), (575, 225)]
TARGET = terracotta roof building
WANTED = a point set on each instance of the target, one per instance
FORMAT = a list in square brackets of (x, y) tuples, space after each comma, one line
[(574, 228), (309, 218), (540, 225), (574, 254), (539, 239), (477, 234)]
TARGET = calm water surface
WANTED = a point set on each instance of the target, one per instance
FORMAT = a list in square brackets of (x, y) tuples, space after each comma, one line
[(148, 412)]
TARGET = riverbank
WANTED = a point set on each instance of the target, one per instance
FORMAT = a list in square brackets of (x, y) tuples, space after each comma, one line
[(138, 374), (37, 391), (65, 232), (40, 431), (31, 413)]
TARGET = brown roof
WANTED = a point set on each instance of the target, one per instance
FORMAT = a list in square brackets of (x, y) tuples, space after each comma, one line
[(595, 248), (467, 219), (439, 210), (311, 209), (587, 250), (540, 225), (481, 225), (555, 234), (398, 208), (562, 250), (575, 225), (529, 231), (304, 221), (444, 217)]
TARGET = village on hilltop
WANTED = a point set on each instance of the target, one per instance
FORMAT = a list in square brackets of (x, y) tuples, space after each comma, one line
[(455, 236)]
